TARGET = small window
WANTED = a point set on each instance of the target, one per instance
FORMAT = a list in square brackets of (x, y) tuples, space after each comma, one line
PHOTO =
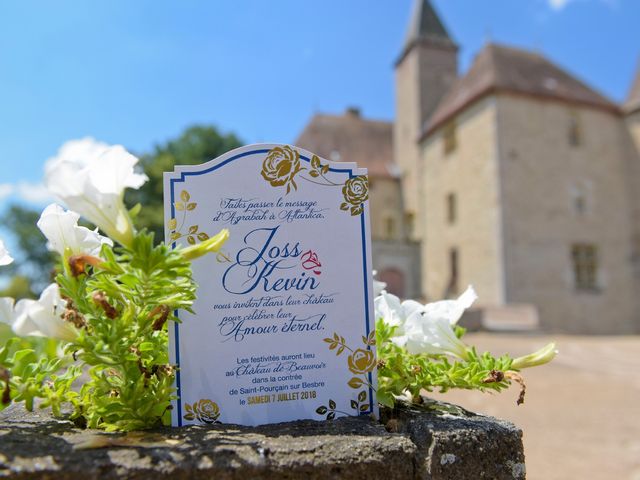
[(451, 208), (452, 287), (449, 137), (389, 227), (575, 130), (579, 204), (410, 219), (585, 266)]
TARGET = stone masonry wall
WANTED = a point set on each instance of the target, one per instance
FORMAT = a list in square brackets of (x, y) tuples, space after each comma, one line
[(542, 177), (469, 172)]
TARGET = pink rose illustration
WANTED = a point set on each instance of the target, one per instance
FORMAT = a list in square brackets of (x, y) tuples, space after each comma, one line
[(310, 262)]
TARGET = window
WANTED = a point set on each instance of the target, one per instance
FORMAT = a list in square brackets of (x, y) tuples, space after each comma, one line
[(452, 287), (451, 208), (449, 137), (575, 130), (389, 227), (410, 219), (585, 266)]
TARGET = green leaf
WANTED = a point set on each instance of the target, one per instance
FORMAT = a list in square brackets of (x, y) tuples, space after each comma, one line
[(362, 396), (364, 408), (321, 410), (331, 415), (355, 382), (332, 405), (147, 347), (354, 404)]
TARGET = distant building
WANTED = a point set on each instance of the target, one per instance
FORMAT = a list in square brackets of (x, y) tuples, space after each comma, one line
[(515, 177)]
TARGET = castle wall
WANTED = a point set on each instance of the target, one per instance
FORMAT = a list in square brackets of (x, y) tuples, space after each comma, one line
[(470, 173), (423, 77), (556, 195)]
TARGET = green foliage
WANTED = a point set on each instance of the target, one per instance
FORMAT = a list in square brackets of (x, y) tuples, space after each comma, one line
[(19, 287), (36, 263), (400, 372), (196, 145), (121, 309)]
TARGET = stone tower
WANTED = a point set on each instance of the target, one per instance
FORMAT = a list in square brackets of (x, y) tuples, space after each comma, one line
[(425, 71)]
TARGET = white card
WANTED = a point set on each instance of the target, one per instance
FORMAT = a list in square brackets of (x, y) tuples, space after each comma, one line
[(283, 326)]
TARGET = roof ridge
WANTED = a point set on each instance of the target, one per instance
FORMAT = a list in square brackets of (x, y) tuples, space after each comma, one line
[(520, 71)]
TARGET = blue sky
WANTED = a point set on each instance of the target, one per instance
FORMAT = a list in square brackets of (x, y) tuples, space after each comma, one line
[(139, 72)]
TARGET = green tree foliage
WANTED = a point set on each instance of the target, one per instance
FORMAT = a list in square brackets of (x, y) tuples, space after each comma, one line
[(196, 145), (33, 261)]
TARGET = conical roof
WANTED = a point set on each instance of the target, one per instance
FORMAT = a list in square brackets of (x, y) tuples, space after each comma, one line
[(425, 26)]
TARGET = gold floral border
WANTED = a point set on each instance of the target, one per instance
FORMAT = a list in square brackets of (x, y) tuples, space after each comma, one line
[(204, 410), (360, 362), (282, 166), (192, 232)]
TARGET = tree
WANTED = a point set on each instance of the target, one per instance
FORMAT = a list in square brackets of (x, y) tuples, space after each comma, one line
[(33, 261), (196, 145)]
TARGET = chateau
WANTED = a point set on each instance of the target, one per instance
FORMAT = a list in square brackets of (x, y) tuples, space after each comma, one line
[(514, 176)]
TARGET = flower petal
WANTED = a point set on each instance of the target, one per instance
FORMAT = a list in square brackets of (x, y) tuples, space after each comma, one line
[(6, 310), (451, 310), (5, 258)]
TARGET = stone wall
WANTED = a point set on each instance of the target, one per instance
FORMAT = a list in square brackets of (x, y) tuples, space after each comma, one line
[(470, 172), (436, 442), (555, 194)]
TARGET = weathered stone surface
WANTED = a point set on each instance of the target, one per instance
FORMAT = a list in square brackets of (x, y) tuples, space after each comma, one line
[(437, 441)]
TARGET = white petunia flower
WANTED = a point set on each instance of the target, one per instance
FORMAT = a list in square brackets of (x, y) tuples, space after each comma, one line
[(429, 329), (94, 186), (5, 258), (378, 286), (431, 336), (62, 232), (6, 310), (43, 317), (451, 310), (394, 312)]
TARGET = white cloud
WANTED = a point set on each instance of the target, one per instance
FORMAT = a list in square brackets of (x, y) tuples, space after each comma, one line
[(558, 4), (33, 193), (6, 189)]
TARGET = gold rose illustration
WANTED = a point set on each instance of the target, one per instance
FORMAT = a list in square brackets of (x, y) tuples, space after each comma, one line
[(205, 411), (185, 205), (355, 192), (282, 164), (360, 362)]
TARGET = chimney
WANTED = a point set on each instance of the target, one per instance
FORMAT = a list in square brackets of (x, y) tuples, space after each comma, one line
[(353, 112)]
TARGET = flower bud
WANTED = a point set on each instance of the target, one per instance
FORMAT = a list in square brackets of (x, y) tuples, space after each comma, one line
[(540, 357), (212, 244)]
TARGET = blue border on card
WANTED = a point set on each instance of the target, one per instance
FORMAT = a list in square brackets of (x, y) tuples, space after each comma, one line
[(176, 329)]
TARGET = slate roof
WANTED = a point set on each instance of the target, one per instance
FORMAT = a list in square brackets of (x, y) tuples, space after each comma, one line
[(499, 68), (632, 103), (425, 26), (350, 138)]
